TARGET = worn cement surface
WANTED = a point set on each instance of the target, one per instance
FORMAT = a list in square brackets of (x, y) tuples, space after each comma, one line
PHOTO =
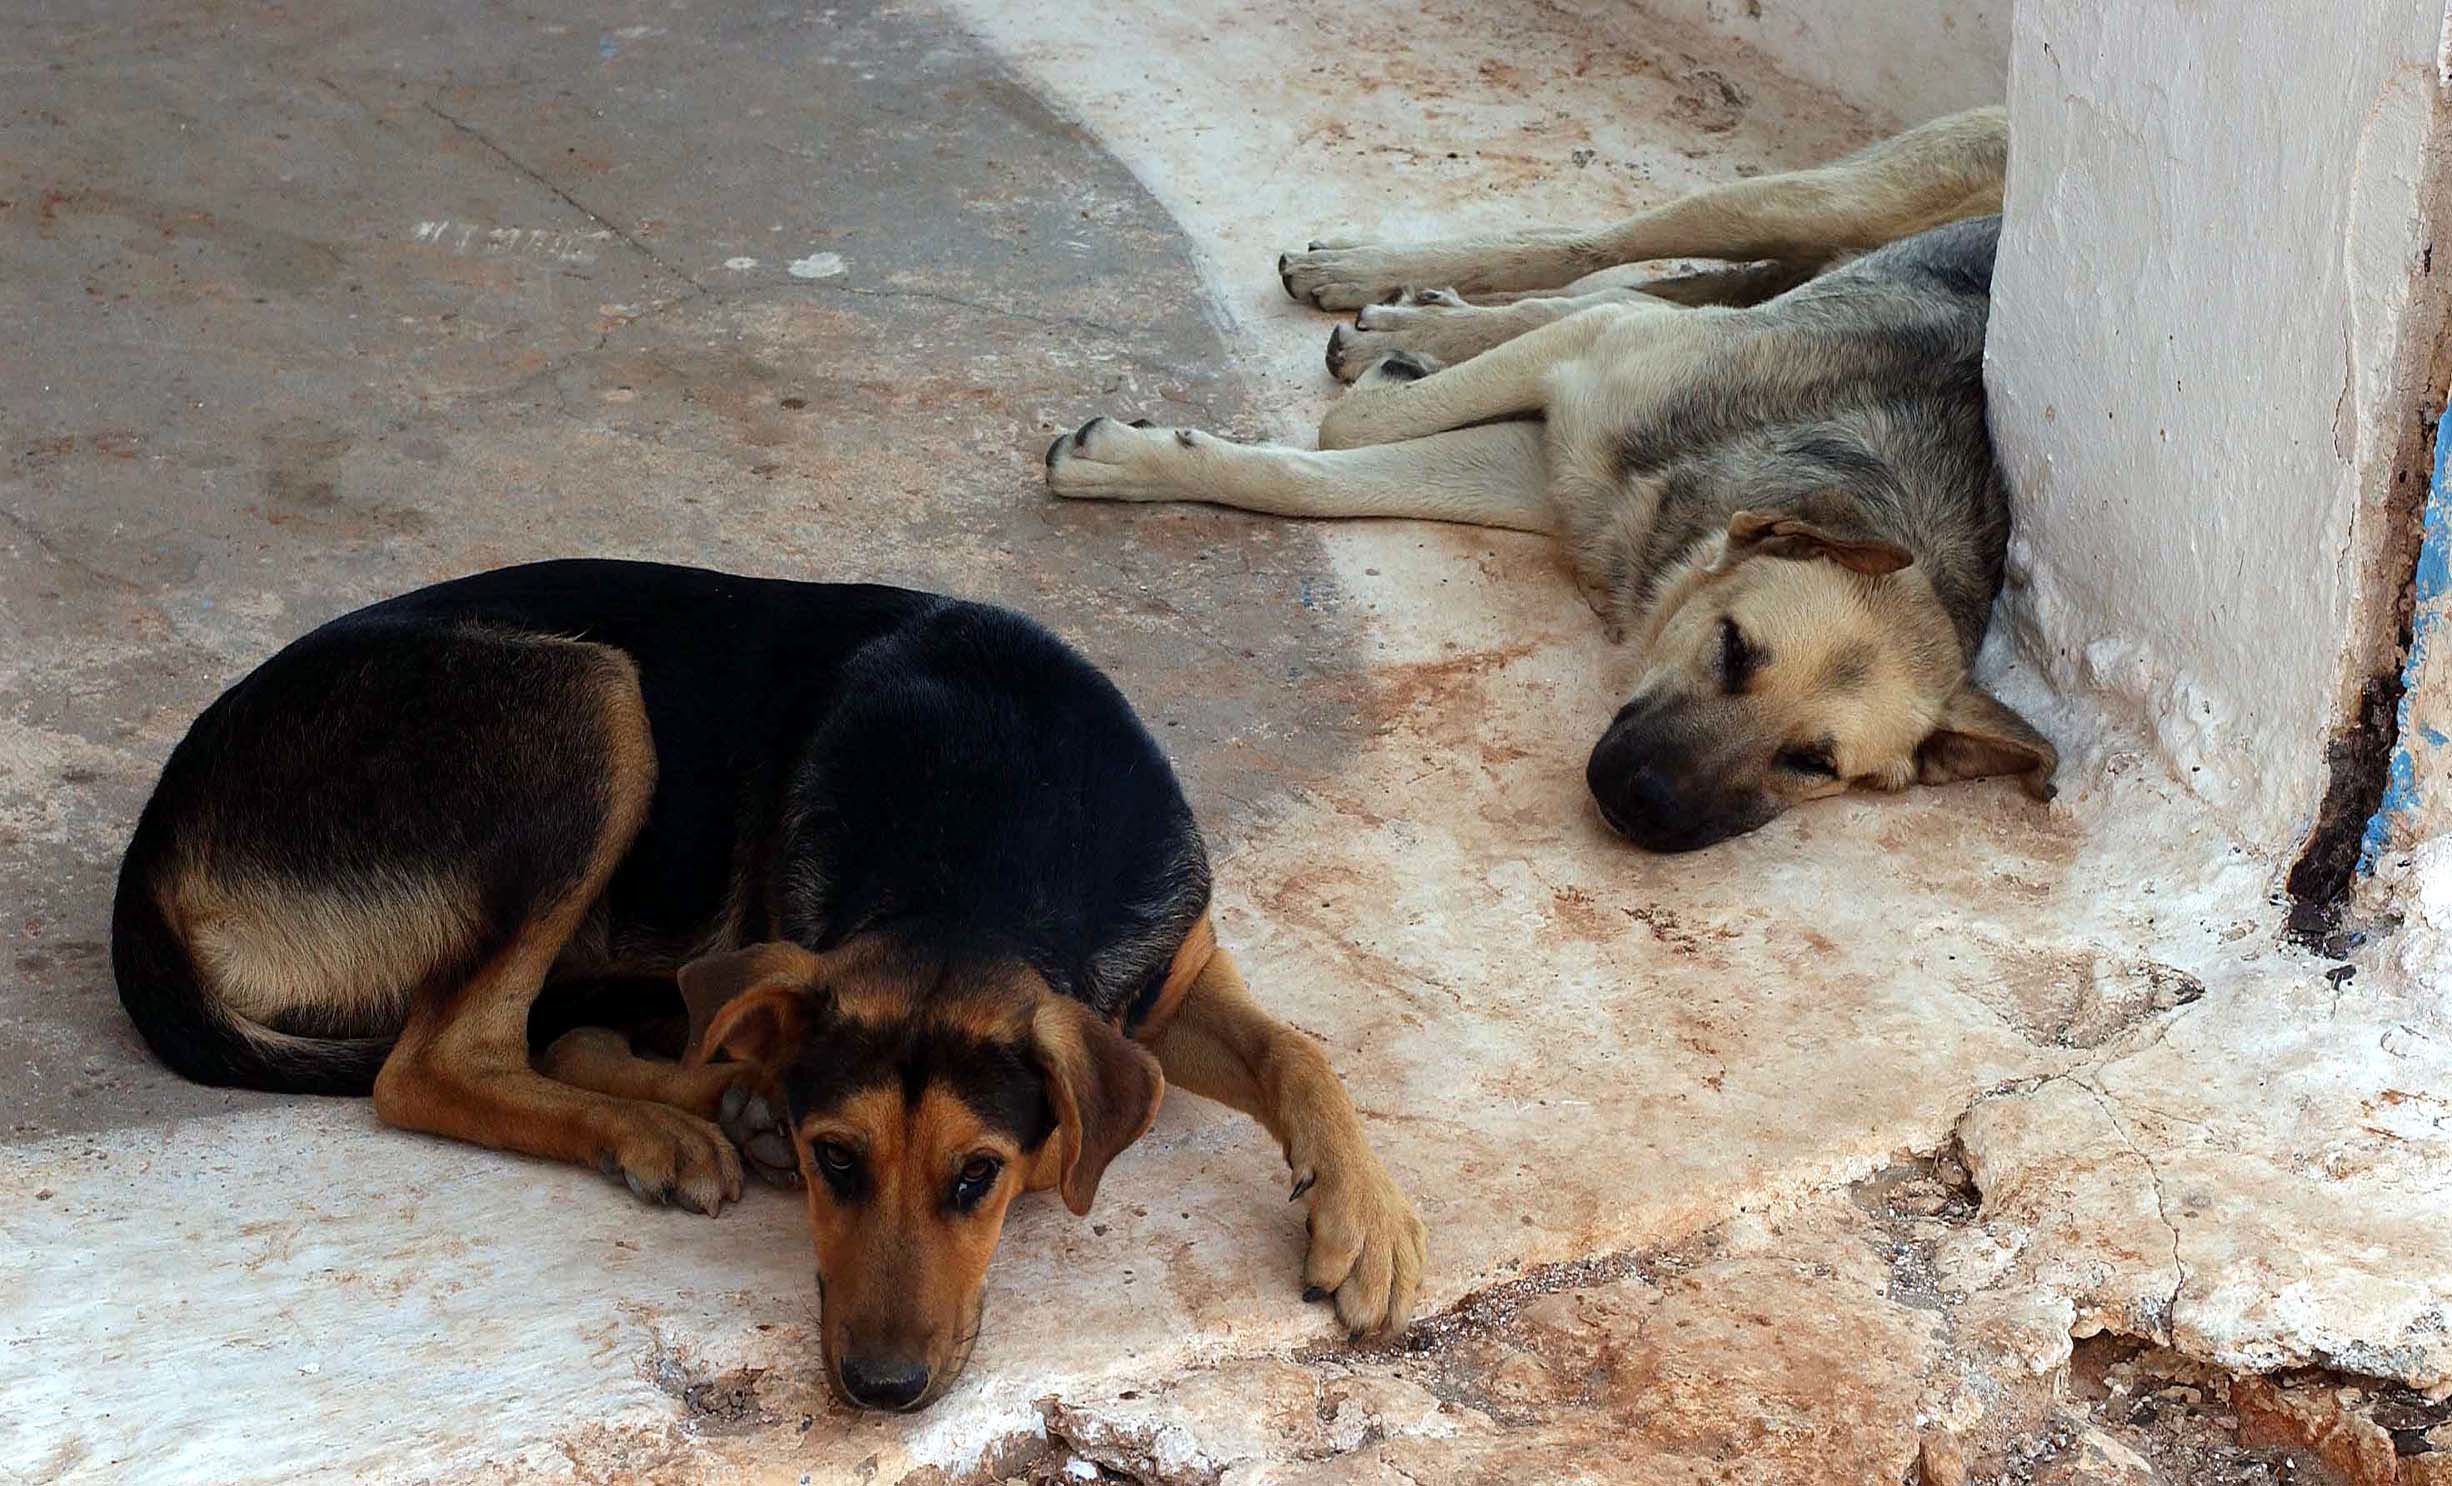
[(330, 303)]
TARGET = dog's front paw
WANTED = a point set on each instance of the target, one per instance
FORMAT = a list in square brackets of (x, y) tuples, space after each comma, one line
[(753, 1122), (1107, 460), (665, 1155), (1367, 1245)]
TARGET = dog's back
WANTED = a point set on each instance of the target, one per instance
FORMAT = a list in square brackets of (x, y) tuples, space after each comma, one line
[(379, 808), (1858, 396)]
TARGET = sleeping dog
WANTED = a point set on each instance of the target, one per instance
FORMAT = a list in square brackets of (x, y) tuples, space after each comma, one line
[(1775, 478), (931, 892)]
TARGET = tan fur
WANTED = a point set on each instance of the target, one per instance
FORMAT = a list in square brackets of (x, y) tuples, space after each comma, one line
[(1806, 615), (1367, 1245), (342, 959), (904, 1276), (903, 1273), (1104, 1090), (602, 1060), (1591, 354)]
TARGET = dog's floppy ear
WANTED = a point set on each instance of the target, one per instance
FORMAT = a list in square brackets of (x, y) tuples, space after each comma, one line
[(1978, 736), (753, 1004), (1771, 534), (1104, 1089)]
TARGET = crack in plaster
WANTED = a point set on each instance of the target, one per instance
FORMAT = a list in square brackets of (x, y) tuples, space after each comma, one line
[(2162, 1209)]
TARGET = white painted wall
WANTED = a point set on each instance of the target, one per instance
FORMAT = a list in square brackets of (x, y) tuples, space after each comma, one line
[(2200, 318), (1910, 59)]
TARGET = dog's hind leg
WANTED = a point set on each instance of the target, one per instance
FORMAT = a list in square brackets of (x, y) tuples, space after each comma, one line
[(1367, 1246), (461, 1066), (1937, 172), (1487, 476)]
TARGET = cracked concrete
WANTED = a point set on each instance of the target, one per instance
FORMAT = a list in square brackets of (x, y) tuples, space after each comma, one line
[(1665, 1116)]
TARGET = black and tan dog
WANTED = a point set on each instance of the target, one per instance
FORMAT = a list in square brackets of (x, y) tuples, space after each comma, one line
[(985, 897), (1775, 478)]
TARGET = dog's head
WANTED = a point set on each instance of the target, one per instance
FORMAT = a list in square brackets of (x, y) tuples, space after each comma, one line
[(1787, 661), (922, 1099)]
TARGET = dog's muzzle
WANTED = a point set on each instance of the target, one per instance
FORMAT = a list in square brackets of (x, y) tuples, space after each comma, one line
[(1650, 792)]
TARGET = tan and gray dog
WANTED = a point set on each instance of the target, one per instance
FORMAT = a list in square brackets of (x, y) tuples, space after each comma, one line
[(1774, 477)]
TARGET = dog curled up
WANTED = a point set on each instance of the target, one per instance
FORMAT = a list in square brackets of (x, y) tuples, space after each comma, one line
[(934, 903), (1774, 478)]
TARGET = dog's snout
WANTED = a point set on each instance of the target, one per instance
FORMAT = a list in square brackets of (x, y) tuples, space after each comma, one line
[(878, 1383), (1627, 778), (1653, 791), (1649, 789)]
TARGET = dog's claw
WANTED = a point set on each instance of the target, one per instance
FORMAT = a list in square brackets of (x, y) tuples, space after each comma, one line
[(1302, 1184), (1313, 1294)]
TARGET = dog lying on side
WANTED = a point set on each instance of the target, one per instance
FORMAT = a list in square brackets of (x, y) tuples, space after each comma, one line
[(1775, 478), (982, 899)]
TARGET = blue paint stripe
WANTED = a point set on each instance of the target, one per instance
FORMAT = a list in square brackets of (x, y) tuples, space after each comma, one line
[(2432, 582)]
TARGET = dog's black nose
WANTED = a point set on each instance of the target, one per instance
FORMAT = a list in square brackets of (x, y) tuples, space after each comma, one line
[(884, 1385), (1647, 791)]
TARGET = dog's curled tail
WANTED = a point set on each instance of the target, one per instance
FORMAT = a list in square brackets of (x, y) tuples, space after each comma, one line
[(200, 1038)]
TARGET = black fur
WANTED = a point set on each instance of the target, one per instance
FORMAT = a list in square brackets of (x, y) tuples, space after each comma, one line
[(830, 758)]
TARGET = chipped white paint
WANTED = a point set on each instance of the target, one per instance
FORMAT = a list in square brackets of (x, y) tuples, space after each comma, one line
[(561, 245), (2202, 312), (817, 266), (740, 265)]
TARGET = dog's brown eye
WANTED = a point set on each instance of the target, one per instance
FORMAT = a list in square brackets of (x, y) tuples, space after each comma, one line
[(978, 1174), (836, 1157)]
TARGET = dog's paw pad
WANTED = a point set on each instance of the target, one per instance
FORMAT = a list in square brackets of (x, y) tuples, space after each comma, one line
[(751, 1123), (1388, 369)]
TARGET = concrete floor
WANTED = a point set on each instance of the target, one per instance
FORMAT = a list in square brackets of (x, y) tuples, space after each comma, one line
[(1769, 1164)]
